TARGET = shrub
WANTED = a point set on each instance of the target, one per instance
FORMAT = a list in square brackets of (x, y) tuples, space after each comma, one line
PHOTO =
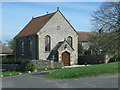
[(115, 58), (26, 66), (10, 67), (12, 60), (30, 67), (12, 64), (8, 60)]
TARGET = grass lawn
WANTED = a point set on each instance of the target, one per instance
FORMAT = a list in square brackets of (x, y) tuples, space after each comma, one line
[(87, 71), (9, 74), (45, 69), (4, 74)]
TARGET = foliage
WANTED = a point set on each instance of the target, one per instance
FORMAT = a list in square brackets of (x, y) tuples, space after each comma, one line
[(12, 60), (11, 43), (103, 43), (115, 58), (27, 66), (23, 65), (91, 59), (80, 49), (8, 60), (87, 71), (106, 19)]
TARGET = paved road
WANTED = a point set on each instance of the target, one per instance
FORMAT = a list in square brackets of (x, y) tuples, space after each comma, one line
[(35, 80)]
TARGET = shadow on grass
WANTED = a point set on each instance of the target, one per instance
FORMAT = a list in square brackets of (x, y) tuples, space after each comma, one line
[(43, 72)]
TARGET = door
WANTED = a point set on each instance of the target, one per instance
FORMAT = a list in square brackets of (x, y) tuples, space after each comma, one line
[(66, 58)]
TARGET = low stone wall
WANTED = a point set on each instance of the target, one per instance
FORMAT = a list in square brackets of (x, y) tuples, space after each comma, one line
[(38, 64), (45, 63)]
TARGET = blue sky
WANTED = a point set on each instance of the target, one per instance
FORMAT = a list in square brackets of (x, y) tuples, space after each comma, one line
[(15, 15)]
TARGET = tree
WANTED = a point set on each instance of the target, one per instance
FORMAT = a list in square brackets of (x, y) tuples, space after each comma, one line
[(106, 19), (80, 49), (11, 43)]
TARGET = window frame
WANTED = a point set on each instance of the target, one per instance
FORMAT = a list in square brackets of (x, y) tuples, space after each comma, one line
[(30, 45), (47, 43), (70, 40), (22, 47)]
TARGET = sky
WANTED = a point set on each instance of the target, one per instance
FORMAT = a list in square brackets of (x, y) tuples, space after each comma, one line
[(15, 15)]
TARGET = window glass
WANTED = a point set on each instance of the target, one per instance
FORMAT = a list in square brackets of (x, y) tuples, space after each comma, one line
[(47, 43), (69, 40)]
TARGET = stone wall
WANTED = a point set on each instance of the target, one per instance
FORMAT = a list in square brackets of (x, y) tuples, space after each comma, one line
[(46, 64), (38, 64)]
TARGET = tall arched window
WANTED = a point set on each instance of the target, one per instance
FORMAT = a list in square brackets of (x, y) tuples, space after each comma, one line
[(22, 47), (47, 43), (69, 40), (30, 46)]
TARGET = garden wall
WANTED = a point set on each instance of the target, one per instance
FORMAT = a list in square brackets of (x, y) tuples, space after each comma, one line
[(45, 64), (91, 59), (38, 64)]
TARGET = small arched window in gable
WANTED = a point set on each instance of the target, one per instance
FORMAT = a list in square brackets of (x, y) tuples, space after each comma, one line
[(58, 27), (69, 40), (47, 43), (22, 47)]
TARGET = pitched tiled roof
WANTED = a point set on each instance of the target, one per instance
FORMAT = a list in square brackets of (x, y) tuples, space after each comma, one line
[(84, 36), (35, 25), (58, 45)]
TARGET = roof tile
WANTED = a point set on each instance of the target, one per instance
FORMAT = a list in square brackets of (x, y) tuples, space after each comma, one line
[(35, 25), (84, 36)]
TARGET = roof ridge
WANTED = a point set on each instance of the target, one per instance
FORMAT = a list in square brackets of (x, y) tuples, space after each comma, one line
[(83, 31), (34, 26), (44, 15)]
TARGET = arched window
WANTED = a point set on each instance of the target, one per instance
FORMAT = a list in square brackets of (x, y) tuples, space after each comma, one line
[(30, 46), (69, 40), (22, 47), (47, 43)]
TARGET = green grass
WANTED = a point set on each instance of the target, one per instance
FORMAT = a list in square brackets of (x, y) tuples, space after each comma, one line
[(4, 74), (87, 71), (9, 73), (43, 69)]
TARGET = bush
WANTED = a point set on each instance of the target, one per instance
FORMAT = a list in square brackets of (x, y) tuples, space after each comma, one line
[(10, 67), (115, 58), (12, 64), (26, 66), (30, 67), (8, 60), (12, 60)]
